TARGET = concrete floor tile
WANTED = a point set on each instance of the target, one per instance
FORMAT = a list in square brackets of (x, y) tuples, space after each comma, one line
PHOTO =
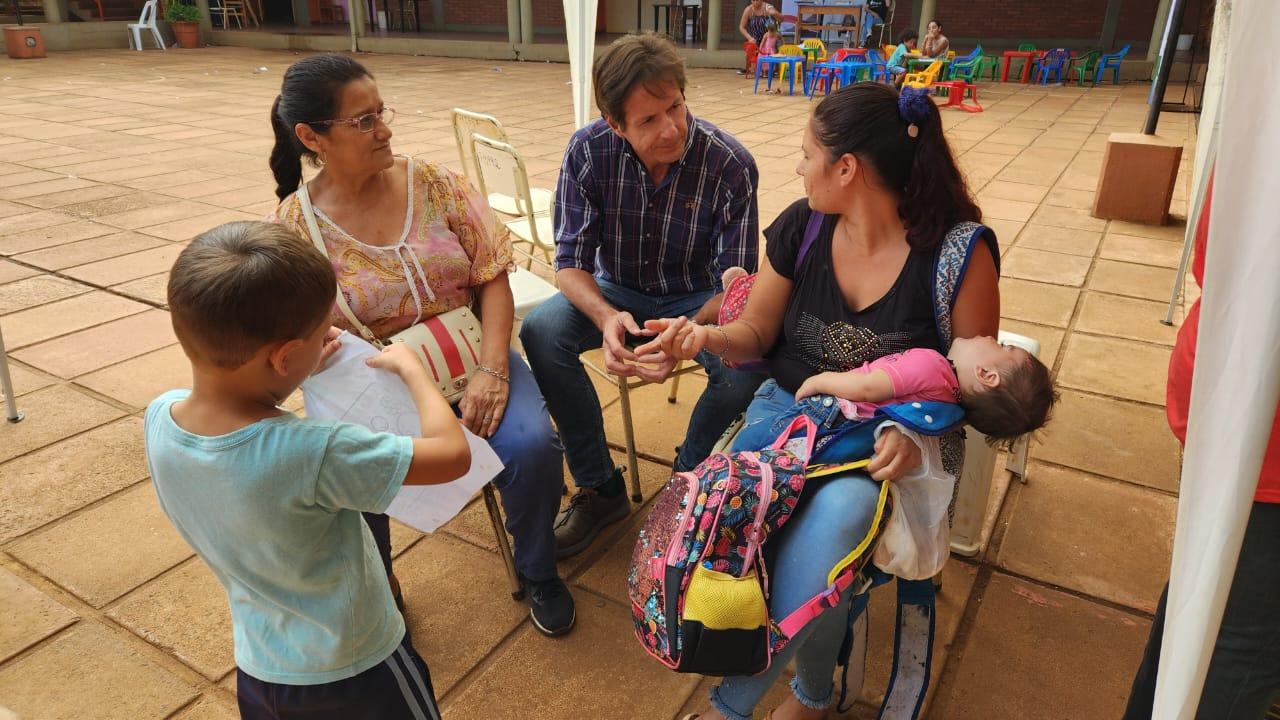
[(1046, 267), (26, 380), (1013, 191), (659, 425), (449, 585), (210, 708), (138, 381), (1071, 198), (156, 214), (88, 251), (30, 615), (1103, 314), (601, 652), (52, 414), (1115, 438), (52, 482), (1076, 218), (37, 290), (108, 550), (1120, 554), (1004, 209), (51, 320), (1026, 635), (10, 271), (185, 614), (53, 235), (98, 347), (73, 197), (1174, 232), (1006, 231), (1061, 240), (1037, 302), (128, 267), (1141, 281), (1119, 368), (188, 228), (105, 670), (1141, 250), (1050, 338), (150, 289)]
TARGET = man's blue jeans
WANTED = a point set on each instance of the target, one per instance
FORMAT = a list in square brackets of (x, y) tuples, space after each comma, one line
[(556, 333)]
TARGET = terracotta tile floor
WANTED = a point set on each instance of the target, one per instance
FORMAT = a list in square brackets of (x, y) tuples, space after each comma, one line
[(109, 161)]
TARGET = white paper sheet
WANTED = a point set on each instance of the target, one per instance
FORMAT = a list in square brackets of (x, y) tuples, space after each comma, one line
[(350, 391)]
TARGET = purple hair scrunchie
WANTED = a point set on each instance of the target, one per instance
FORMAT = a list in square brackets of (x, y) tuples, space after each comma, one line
[(913, 107)]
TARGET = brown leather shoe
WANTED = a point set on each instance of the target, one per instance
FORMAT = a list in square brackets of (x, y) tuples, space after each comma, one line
[(587, 514)]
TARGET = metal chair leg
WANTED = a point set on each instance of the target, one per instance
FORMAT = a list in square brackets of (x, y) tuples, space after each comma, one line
[(6, 382), (1017, 462), (628, 429), (675, 382), (504, 547)]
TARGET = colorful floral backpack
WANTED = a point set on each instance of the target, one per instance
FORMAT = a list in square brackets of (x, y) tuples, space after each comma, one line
[(698, 583)]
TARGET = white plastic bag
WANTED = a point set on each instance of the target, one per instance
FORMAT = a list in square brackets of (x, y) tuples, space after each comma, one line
[(917, 538)]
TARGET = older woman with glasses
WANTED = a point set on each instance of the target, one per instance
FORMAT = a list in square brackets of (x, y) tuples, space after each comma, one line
[(410, 240)]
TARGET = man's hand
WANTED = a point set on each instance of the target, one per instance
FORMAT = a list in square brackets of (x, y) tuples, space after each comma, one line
[(621, 360)]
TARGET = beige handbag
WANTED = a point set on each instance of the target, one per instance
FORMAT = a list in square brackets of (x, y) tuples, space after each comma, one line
[(448, 344)]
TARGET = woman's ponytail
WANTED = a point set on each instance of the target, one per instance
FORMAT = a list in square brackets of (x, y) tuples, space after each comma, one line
[(936, 196), (900, 137), (311, 91), (286, 158)]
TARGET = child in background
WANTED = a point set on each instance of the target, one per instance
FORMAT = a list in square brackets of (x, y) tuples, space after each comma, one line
[(772, 40), (272, 502)]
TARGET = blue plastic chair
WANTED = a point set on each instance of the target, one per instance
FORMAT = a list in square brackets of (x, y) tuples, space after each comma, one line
[(1110, 61), (879, 67), (961, 60), (1053, 63)]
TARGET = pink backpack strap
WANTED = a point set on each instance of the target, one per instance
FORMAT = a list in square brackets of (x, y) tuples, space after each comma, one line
[(802, 424), (828, 598)]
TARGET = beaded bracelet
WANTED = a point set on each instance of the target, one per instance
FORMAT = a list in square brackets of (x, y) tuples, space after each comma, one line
[(496, 373)]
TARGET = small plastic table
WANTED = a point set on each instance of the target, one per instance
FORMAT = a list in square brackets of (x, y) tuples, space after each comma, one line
[(795, 62), (1028, 56), (956, 90)]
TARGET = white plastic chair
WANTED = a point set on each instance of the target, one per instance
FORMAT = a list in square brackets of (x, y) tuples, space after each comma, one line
[(466, 124), (6, 384), (146, 21), (973, 490), (500, 172)]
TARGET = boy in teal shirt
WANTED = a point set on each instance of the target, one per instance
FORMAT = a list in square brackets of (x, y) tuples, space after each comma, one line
[(272, 502)]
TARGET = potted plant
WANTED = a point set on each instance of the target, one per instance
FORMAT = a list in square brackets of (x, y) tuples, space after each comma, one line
[(20, 41), (185, 19)]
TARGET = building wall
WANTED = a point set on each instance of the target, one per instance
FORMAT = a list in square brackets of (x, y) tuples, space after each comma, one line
[(481, 13)]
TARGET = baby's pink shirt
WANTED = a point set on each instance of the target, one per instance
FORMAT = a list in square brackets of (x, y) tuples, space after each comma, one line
[(768, 45), (918, 375)]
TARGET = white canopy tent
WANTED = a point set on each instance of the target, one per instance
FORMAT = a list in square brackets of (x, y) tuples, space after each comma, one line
[(1237, 376), (580, 26)]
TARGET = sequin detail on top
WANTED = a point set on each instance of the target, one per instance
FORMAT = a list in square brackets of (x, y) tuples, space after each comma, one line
[(841, 346)]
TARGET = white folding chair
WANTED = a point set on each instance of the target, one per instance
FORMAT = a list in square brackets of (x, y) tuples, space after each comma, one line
[(228, 9), (500, 171), (466, 124), (973, 488), (6, 384), (146, 21)]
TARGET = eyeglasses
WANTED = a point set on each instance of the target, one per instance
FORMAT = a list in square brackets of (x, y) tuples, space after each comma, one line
[(364, 123)]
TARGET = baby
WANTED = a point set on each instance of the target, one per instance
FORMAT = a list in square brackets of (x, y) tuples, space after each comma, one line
[(1006, 392)]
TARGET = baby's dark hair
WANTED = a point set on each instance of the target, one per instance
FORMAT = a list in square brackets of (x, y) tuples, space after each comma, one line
[(243, 285), (1020, 404)]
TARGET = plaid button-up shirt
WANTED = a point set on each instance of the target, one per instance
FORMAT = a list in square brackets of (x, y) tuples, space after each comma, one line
[(676, 237)]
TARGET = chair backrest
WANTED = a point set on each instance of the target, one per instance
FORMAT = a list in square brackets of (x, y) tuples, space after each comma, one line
[(1026, 47), (501, 169), (969, 56), (814, 44), (467, 123), (841, 54), (1089, 59), (792, 50), (1123, 51), (874, 58), (148, 16), (1056, 57)]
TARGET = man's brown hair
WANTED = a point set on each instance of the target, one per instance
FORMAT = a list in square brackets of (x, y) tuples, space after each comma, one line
[(243, 285), (647, 60)]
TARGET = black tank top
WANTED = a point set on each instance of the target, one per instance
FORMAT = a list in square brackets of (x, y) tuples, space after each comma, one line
[(820, 332)]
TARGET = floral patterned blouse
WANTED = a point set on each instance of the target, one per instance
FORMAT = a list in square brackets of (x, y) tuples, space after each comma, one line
[(451, 243)]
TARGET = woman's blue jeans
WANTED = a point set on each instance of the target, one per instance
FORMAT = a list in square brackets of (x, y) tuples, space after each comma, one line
[(834, 517)]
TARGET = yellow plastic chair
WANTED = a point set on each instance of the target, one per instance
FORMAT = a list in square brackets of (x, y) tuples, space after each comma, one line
[(815, 49), (793, 51), (924, 78)]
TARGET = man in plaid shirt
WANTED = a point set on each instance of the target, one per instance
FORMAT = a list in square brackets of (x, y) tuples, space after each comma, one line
[(652, 206)]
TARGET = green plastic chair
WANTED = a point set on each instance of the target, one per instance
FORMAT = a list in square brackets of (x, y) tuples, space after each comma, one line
[(1026, 47), (967, 69), (1083, 66), (989, 67)]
